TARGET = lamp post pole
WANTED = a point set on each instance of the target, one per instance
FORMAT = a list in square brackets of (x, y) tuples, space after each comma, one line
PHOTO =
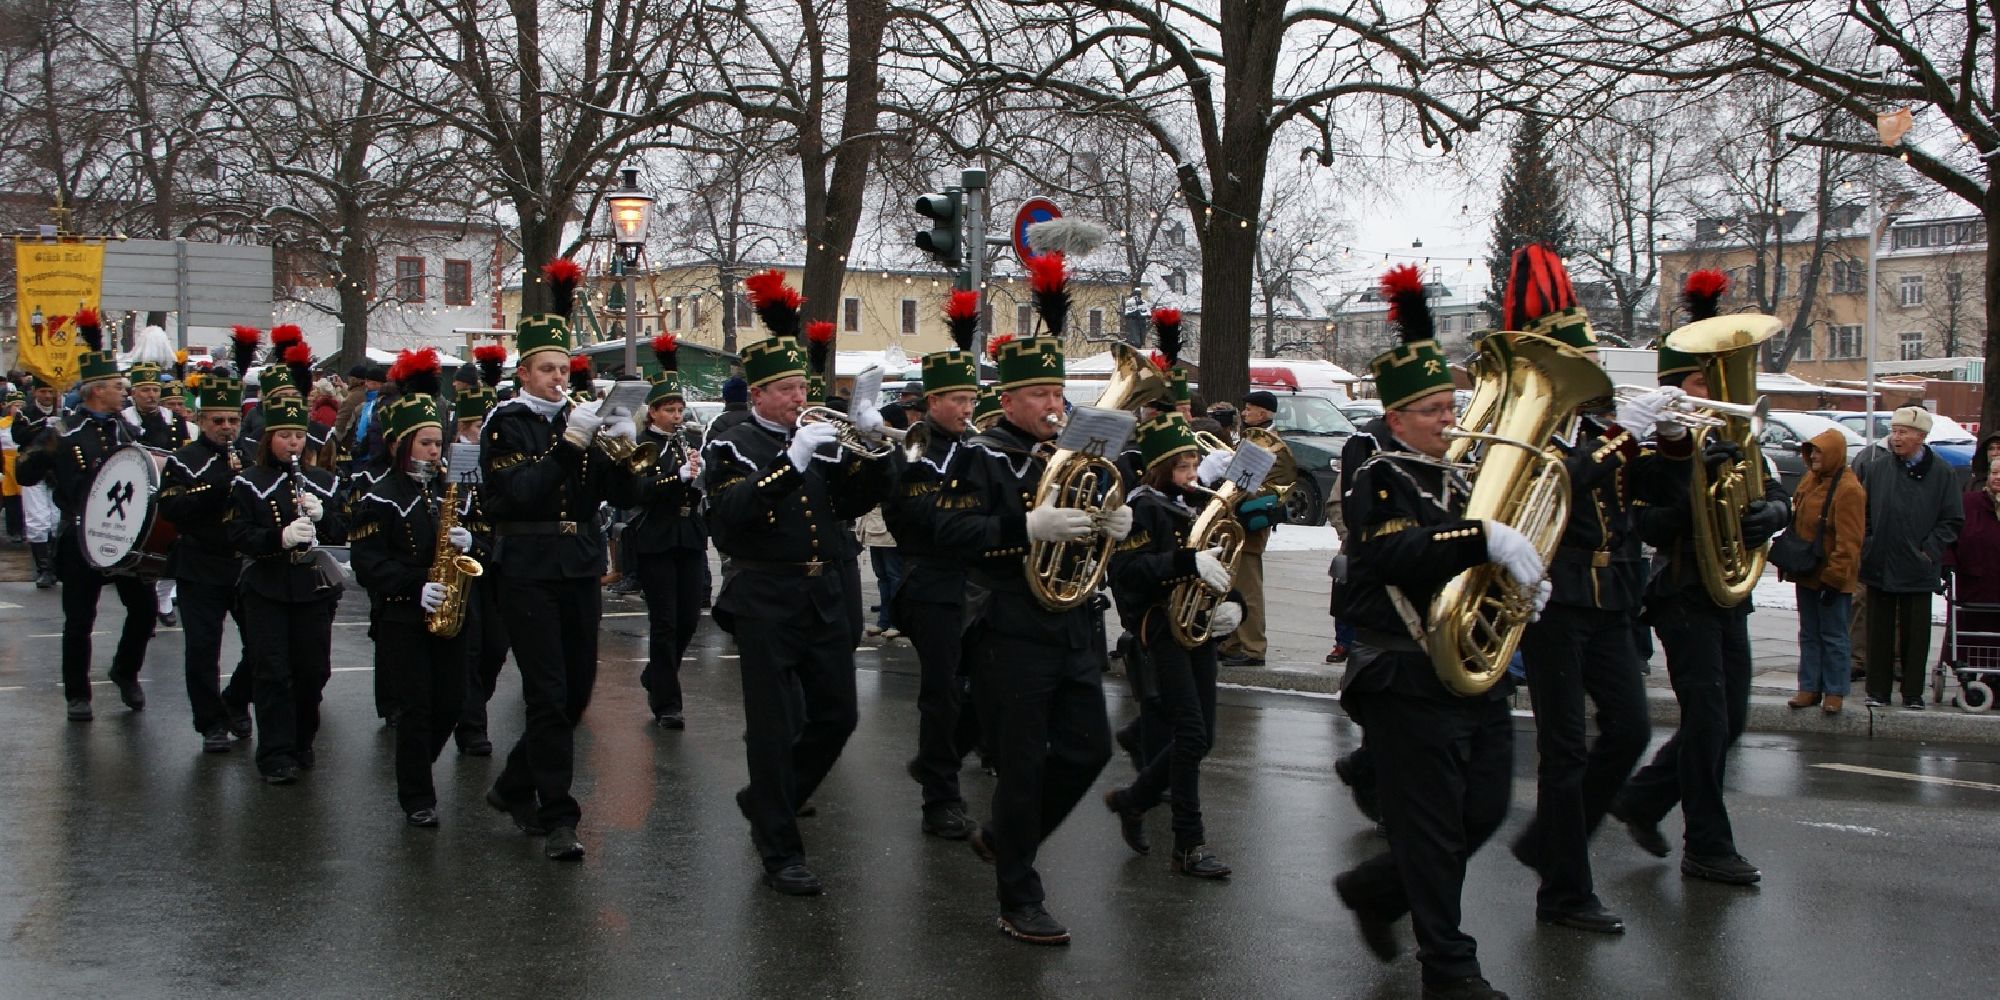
[(631, 213)]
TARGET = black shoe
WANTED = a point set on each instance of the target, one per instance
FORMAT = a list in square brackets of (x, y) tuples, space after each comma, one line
[(948, 821), (1033, 924), (1242, 660), (308, 760), (473, 742), (1377, 932), (1200, 862), (807, 810), (562, 845), (239, 722), (426, 818), (1128, 741), (670, 720), (130, 692), (1729, 869), (1914, 704), (793, 880), (169, 619), (216, 740), (980, 846), (79, 711), (45, 580), (521, 810), (281, 775), (1646, 835), (1874, 702), (1595, 919), (1363, 789), (1468, 988), (1131, 822)]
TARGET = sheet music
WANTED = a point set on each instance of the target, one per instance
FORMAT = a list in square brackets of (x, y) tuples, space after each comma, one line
[(627, 397), (462, 464), (867, 390), (1252, 463), (1096, 431)]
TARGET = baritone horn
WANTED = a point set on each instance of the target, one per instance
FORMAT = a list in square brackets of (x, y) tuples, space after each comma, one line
[(1216, 527), (1726, 348)]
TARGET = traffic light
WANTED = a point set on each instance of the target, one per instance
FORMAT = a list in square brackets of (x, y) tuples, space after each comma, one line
[(946, 212)]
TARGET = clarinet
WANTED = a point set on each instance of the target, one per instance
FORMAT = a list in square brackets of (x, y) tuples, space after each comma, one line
[(298, 498)]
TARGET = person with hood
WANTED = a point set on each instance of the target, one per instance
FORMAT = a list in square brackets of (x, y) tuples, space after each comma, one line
[(735, 406), (1832, 510), (1974, 559), (1914, 513)]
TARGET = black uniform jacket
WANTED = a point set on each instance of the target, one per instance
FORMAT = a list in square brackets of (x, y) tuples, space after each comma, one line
[(67, 456), (158, 429), (931, 574), (394, 537), (541, 495), (1666, 522), (669, 513), (982, 520), (1409, 533), (29, 424), (1155, 557), (1599, 563), (194, 496), (261, 505), (781, 528)]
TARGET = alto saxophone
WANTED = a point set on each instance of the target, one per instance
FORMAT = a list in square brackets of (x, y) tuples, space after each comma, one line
[(450, 568)]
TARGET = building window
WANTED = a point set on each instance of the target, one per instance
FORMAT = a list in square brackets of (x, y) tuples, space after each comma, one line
[(1804, 351), (909, 317), (1910, 290), (1954, 286), (676, 324), (1024, 320), (458, 282), (1849, 278), (745, 315), (1843, 342), (694, 310), (1096, 323), (410, 279), (1778, 282), (1910, 346), (850, 315)]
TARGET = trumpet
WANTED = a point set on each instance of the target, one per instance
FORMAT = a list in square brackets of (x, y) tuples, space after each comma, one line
[(1694, 412), (878, 443)]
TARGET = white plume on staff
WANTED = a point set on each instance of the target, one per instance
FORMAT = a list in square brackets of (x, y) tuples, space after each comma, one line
[(152, 345), (1072, 238)]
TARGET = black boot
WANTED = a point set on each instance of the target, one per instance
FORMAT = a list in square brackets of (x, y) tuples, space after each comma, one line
[(45, 567)]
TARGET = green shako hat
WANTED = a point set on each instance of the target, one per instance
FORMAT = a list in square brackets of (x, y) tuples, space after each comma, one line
[(417, 374), (474, 403), (173, 390), (284, 413), (1164, 437), (1417, 367), (143, 371), (550, 330), (667, 384), (988, 404), (96, 364), (1701, 296), (777, 304), (1034, 361), (223, 395), (957, 367), (1540, 299)]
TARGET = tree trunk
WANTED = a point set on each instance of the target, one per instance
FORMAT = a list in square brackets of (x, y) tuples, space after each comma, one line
[(357, 279), (830, 234), (1226, 251)]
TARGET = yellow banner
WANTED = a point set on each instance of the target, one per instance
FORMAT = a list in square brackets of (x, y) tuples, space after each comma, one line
[(54, 280)]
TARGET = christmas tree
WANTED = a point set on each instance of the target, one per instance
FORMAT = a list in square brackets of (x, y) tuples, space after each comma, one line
[(1533, 208)]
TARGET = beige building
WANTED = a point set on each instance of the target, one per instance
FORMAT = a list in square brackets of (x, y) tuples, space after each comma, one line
[(878, 309), (1930, 286)]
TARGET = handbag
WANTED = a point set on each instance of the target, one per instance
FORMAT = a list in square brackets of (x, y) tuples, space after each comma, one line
[(1794, 555)]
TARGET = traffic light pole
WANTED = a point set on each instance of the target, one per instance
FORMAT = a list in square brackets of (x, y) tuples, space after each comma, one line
[(973, 278)]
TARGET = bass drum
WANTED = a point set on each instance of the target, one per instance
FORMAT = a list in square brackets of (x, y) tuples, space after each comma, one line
[(122, 530)]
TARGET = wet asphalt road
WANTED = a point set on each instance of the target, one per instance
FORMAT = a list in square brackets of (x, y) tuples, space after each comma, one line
[(132, 865)]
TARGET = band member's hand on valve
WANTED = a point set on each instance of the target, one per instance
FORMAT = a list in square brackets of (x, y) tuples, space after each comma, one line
[(1118, 523), (867, 419), (432, 596), (460, 538), (1514, 553), (1642, 414), (1543, 591), (1214, 575), (1214, 464), (298, 533), (582, 425), (1224, 618), (621, 427), (1762, 520), (311, 507), (809, 439), (1050, 523)]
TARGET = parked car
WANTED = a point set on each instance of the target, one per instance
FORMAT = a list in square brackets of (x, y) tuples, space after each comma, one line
[(1948, 438), (1361, 411), (1786, 430), (1315, 430)]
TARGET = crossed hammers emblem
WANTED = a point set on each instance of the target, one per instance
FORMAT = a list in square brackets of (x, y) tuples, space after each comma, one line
[(119, 494)]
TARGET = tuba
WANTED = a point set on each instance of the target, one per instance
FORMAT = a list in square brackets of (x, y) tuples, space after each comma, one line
[(1528, 391), (1726, 347), (1063, 575), (1215, 527)]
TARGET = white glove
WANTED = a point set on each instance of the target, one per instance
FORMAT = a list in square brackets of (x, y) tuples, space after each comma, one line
[(460, 538), (1514, 553), (809, 439), (1542, 593), (688, 471), (1642, 414), (310, 506), (1214, 464), (622, 427), (1118, 523), (867, 419), (1224, 619), (583, 425), (1049, 523), (432, 596), (1214, 575), (299, 532)]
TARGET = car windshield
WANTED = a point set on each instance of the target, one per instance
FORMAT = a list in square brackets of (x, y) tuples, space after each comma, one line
[(1944, 430), (1311, 415)]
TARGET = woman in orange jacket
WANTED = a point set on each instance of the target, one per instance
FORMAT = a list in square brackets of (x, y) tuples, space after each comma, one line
[(1826, 595)]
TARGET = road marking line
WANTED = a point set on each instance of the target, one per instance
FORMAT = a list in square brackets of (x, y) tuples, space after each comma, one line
[(1906, 776), (1845, 828), (8, 605)]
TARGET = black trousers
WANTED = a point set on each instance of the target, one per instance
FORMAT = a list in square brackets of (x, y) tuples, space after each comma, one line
[(288, 649), (385, 655), (553, 627), (428, 676), (1042, 708), (203, 607), (671, 581), (1573, 653), (81, 586), (1899, 634), (798, 711), (486, 636), (947, 727), (1444, 768), (1708, 660), (1185, 706), (17, 525)]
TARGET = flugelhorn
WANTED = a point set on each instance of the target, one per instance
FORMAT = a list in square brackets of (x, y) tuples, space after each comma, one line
[(877, 443), (1695, 412)]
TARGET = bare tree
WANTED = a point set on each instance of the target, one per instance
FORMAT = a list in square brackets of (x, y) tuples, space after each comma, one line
[(1631, 169), (730, 208)]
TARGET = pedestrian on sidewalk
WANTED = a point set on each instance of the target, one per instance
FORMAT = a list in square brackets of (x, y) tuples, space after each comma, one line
[(873, 532), (1830, 512), (1915, 511), (1974, 556), (1259, 515)]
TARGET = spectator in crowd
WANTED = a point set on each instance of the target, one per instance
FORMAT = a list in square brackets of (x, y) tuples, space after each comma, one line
[(735, 406), (1974, 557), (873, 531), (1914, 513), (325, 402), (353, 420), (1831, 508), (1983, 458)]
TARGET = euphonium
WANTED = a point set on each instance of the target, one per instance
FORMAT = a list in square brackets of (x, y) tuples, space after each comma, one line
[(1215, 527), (1063, 575), (451, 568), (1727, 349), (1529, 388)]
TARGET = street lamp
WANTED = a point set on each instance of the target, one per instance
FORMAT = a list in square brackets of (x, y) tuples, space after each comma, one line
[(631, 214)]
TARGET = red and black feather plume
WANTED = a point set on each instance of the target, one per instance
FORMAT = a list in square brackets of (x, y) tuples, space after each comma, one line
[(1167, 325), (776, 303), (298, 360), (489, 358), (1048, 279), (283, 336), (667, 350), (580, 376), (961, 315), (419, 372), (1701, 294), (564, 276), (1538, 285), (819, 340), (243, 343), (1409, 303), (993, 345), (90, 328)]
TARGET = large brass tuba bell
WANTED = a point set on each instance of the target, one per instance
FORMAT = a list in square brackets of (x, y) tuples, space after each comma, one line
[(1529, 387), (1726, 347), (1216, 527)]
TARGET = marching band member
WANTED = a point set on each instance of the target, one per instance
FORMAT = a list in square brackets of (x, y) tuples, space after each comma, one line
[(1260, 515), (487, 651), (68, 456), (1707, 645), (195, 499), (395, 537), (280, 513), (152, 424), (930, 603), (1444, 762), (545, 477), (1040, 685), (777, 496), (986, 411), (40, 415), (669, 539), (1145, 570)]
